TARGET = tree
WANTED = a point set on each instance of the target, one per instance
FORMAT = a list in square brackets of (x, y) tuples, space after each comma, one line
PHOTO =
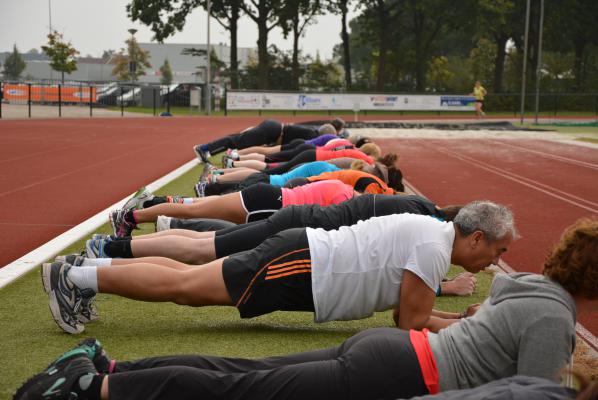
[(297, 15), (323, 75), (107, 55), (342, 7), (481, 60), (62, 54), (166, 72), (122, 60), (439, 73), (217, 66), (14, 64), (165, 19), (267, 15)]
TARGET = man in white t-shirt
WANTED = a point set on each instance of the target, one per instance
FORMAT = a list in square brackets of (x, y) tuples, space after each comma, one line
[(394, 261)]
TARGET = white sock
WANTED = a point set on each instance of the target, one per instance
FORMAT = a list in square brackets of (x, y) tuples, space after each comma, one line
[(187, 200), (97, 262), (84, 277)]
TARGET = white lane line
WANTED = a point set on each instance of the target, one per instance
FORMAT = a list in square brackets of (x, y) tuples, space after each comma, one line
[(21, 266), (541, 187), (548, 155)]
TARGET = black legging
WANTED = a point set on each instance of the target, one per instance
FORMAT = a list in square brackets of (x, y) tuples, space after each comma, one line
[(243, 237), (375, 364), (303, 157), (287, 155), (267, 132)]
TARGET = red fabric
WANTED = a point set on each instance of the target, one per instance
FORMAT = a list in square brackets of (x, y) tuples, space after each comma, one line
[(425, 357), (351, 176), (331, 145), (324, 155), (323, 193)]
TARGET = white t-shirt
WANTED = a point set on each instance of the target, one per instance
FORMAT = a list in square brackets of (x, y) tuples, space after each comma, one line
[(358, 269)]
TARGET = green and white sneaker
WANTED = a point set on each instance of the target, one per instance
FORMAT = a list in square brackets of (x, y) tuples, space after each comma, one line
[(59, 380), (136, 201)]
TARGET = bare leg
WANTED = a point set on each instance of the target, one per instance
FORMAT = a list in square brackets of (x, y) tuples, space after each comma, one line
[(252, 156), (163, 261), (178, 233), (257, 165), (198, 286), (260, 150), (104, 394), (228, 207), (193, 251)]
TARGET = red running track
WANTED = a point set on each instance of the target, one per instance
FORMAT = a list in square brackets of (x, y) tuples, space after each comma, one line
[(548, 185), (54, 174)]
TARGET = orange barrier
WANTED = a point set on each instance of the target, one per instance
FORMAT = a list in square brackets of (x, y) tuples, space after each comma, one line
[(49, 94)]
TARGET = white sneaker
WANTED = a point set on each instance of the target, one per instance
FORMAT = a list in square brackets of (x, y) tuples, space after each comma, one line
[(163, 223), (139, 197)]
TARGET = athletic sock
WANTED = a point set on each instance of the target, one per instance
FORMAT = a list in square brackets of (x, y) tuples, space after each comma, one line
[(119, 249), (97, 262), (187, 200), (89, 387), (84, 277), (130, 217)]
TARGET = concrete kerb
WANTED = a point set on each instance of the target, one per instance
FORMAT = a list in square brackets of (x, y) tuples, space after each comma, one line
[(29, 261)]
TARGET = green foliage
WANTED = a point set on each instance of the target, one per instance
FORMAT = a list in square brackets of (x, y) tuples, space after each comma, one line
[(62, 54), (14, 65), (481, 60), (166, 72), (134, 53), (439, 75), (323, 76)]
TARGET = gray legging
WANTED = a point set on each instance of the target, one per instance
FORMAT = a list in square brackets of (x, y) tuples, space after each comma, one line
[(375, 364)]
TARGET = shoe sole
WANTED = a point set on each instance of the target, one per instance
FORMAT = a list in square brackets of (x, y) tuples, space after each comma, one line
[(89, 250), (46, 273), (55, 311), (113, 225)]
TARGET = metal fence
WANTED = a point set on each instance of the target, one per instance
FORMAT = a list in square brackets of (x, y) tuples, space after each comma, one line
[(154, 99), (159, 99)]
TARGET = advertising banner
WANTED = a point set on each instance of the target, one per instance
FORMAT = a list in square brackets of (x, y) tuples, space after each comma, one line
[(337, 101), (49, 94)]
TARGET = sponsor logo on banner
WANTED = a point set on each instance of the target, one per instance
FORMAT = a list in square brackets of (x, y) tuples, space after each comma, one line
[(384, 101), (305, 101), (16, 92), (456, 101)]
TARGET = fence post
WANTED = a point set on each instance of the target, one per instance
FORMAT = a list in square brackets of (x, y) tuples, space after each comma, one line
[(122, 103), (225, 102), (154, 101), (90, 102), (29, 99), (168, 99), (1, 96), (59, 100)]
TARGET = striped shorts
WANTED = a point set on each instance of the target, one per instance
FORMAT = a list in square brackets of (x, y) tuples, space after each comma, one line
[(274, 276)]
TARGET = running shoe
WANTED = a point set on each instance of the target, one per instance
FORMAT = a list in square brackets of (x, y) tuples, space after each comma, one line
[(207, 169), (65, 297), (227, 162), (203, 156), (76, 260), (96, 353), (200, 189), (94, 248), (120, 226), (163, 223), (59, 379), (137, 200)]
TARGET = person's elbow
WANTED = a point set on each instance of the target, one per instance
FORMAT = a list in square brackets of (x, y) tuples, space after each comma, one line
[(415, 321)]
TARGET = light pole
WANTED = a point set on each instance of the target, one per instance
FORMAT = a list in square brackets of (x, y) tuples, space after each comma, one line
[(132, 61), (208, 72), (524, 60), (539, 65), (50, 28)]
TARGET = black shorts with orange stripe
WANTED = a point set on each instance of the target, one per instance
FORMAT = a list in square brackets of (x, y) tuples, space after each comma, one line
[(275, 276)]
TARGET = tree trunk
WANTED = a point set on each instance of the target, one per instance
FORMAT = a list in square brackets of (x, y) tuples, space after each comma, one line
[(262, 47), (346, 48), (382, 45), (62, 74), (295, 66), (578, 69), (419, 53), (499, 61), (234, 63)]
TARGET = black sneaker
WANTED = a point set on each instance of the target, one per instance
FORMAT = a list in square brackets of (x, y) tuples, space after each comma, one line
[(200, 189), (96, 353), (65, 297), (119, 224), (203, 156), (59, 379)]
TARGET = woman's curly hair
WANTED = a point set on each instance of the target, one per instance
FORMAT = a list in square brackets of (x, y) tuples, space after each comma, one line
[(573, 262)]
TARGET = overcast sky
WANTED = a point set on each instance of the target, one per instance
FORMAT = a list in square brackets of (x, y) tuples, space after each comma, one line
[(93, 26)]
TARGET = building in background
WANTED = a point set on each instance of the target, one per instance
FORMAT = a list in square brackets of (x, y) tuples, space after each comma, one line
[(185, 68)]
